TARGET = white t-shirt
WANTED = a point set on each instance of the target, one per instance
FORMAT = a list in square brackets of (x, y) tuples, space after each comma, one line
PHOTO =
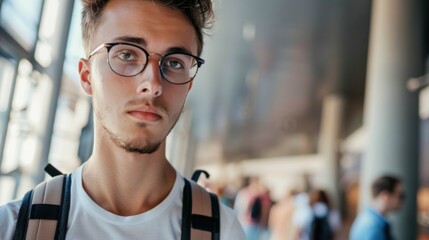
[(87, 220)]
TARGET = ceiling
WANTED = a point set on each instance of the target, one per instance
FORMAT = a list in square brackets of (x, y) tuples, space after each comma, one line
[(269, 65)]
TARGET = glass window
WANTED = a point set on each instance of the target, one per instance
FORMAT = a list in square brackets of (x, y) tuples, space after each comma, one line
[(20, 18), (7, 71), (7, 75)]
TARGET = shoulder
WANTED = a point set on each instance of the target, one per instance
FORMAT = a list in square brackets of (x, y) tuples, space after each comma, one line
[(370, 217), (368, 224), (369, 233), (230, 226), (8, 217)]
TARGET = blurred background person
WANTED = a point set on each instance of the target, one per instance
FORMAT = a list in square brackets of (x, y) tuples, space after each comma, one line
[(280, 220), (371, 223), (251, 206), (263, 219), (319, 221)]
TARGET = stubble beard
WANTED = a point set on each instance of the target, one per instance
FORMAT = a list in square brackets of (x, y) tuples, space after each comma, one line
[(135, 145)]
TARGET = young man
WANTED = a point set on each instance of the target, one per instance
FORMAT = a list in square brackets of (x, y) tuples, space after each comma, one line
[(371, 224), (142, 58)]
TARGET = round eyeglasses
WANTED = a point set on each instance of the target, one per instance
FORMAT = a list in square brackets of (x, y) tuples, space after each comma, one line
[(129, 60)]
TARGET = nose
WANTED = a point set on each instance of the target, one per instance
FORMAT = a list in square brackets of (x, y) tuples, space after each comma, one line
[(150, 80)]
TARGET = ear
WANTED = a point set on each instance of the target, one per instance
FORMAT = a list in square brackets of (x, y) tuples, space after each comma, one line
[(85, 76)]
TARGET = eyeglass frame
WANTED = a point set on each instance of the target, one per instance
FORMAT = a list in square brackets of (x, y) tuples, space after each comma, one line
[(110, 45)]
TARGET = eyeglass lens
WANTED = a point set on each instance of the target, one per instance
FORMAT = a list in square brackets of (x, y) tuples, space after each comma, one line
[(128, 60)]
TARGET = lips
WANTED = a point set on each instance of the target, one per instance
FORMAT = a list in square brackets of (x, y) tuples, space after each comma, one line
[(145, 114)]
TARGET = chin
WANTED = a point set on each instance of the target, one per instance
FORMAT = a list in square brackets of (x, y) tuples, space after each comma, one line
[(146, 149)]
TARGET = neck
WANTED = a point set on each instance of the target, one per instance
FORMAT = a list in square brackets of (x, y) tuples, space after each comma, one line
[(379, 206), (127, 183)]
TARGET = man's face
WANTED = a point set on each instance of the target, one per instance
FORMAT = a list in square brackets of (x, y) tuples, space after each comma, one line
[(137, 112), (396, 198)]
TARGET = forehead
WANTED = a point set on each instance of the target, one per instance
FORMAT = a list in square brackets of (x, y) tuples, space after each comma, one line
[(161, 27)]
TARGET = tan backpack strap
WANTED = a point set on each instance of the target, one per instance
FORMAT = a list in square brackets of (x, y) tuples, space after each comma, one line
[(45, 209), (204, 204), (200, 213), (200, 207)]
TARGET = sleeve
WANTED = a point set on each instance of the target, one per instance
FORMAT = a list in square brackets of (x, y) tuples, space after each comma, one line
[(8, 217), (363, 231), (235, 231), (374, 234), (230, 226)]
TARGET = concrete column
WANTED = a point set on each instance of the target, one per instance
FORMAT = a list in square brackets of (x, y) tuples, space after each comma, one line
[(391, 112), (331, 123)]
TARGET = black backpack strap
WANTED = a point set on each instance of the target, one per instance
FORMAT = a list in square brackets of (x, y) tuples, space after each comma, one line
[(22, 221), (52, 171), (200, 214), (197, 173), (186, 211)]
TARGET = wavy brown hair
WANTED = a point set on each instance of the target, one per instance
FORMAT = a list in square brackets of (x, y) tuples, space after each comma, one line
[(199, 13)]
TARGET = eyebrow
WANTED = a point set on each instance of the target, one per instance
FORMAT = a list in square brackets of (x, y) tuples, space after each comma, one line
[(130, 39), (178, 49), (142, 42)]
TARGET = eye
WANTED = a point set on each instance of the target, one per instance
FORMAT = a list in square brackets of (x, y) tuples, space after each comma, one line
[(173, 63), (126, 55)]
